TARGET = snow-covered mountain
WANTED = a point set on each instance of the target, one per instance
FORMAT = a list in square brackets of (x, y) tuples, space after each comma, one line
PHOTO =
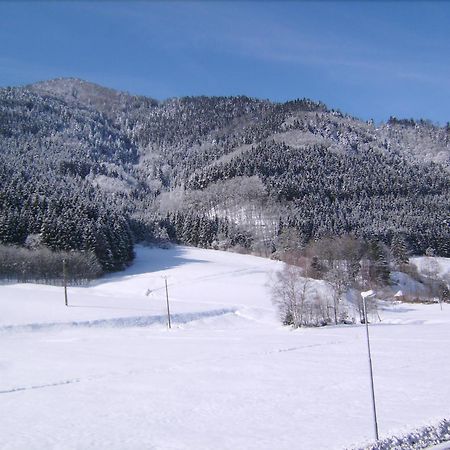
[(90, 168)]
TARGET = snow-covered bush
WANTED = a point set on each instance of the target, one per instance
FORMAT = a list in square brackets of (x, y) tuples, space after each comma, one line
[(421, 438)]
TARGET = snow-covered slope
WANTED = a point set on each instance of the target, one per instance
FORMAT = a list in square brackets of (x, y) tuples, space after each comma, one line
[(106, 372), (436, 266), (199, 281)]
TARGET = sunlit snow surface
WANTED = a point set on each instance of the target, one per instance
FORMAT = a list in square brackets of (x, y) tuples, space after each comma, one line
[(106, 373)]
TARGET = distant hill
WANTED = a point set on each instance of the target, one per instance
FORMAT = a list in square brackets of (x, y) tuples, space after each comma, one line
[(87, 167)]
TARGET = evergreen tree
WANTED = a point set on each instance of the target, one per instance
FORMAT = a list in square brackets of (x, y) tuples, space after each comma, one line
[(399, 249)]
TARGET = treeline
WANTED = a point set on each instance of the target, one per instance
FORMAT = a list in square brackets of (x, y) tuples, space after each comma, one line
[(41, 265), (198, 230)]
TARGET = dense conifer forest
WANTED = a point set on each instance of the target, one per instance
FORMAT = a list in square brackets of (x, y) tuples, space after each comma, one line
[(88, 170)]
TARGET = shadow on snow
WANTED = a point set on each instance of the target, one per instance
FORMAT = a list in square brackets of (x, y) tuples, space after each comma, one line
[(152, 259)]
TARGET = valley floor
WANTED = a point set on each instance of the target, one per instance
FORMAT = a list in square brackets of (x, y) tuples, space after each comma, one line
[(106, 373)]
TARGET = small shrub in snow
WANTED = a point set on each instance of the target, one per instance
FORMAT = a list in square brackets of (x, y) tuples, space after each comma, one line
[(421, 438)]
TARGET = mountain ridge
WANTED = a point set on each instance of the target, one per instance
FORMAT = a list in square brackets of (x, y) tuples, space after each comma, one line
[(57, 85), (110, 101)]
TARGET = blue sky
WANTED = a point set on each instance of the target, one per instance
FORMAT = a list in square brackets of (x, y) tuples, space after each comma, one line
[(369, 59)]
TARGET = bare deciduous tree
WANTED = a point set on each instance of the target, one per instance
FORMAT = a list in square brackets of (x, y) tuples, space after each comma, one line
[(297, 298)]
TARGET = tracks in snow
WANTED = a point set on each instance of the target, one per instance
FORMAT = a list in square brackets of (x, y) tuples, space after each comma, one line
[(40, 386), (120, 322)]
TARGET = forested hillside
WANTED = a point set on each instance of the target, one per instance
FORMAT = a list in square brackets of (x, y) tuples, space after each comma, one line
[(89, 169)]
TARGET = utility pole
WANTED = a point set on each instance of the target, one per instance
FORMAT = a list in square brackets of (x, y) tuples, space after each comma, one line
[(167, 301), (364, 295), (65, 282)]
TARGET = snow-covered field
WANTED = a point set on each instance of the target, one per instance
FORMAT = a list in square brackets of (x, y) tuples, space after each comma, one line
[(107, 373)]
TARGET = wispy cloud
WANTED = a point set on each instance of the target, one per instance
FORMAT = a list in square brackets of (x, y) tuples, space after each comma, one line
[(232, 31), (289, 46)]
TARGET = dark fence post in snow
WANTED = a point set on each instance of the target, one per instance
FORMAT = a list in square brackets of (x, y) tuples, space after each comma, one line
[(167, 301), (65, 282), (364, 295)]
